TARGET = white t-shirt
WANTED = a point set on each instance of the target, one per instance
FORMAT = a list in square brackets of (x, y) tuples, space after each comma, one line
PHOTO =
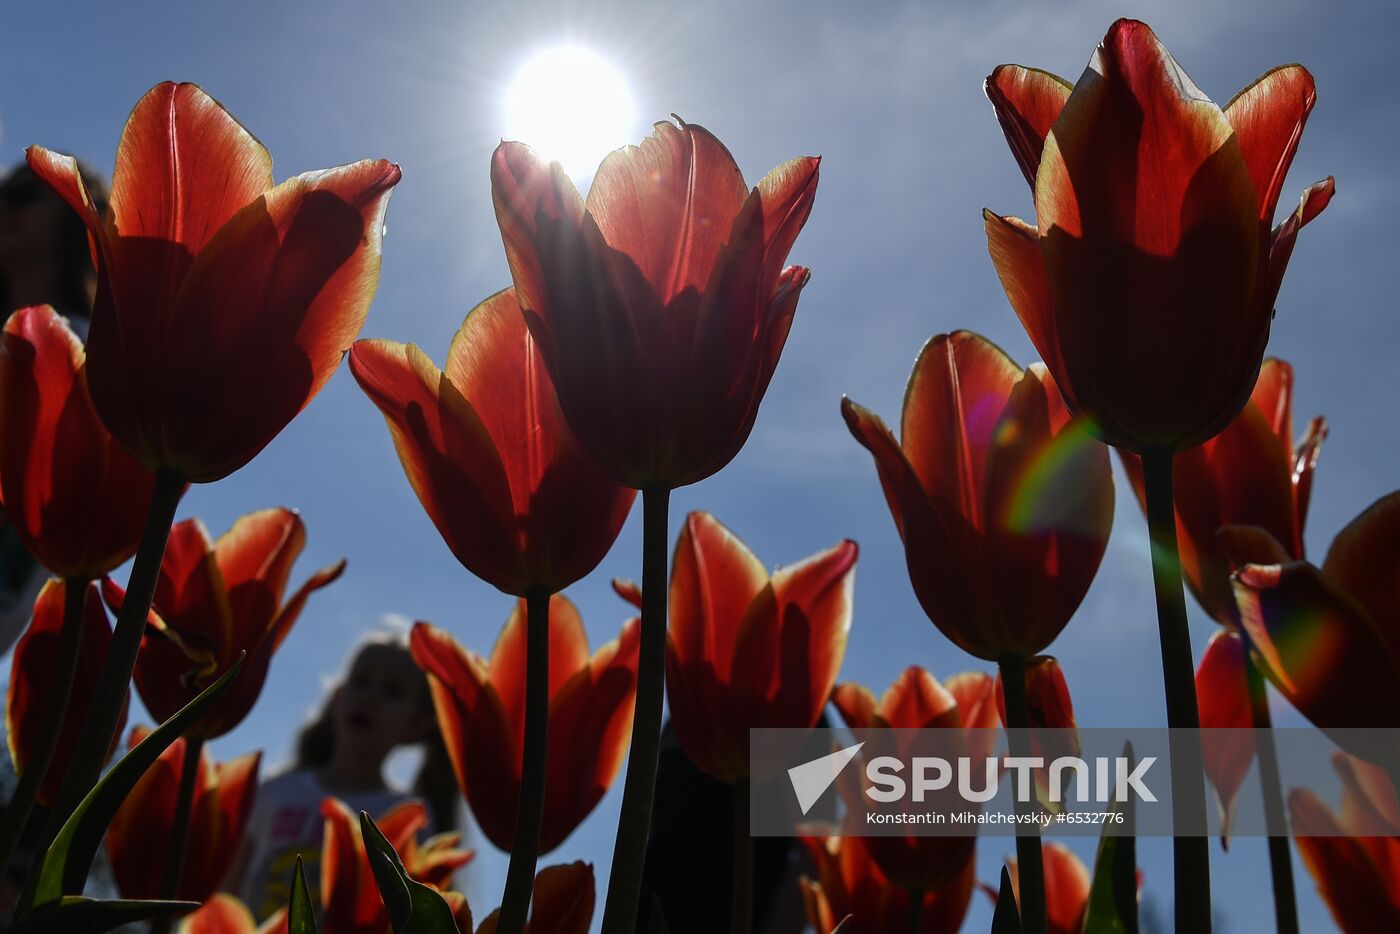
[(286, 820)]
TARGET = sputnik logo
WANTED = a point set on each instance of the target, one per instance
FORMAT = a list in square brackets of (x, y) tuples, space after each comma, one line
[(811, 779)]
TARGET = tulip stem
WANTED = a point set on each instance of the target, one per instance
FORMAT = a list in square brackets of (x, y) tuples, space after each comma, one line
[(1030, 862), (916, 911), (529, 812), (634, 823), (180, 828), (1280, 858), (36, 765), (100, 730), (742, 919), (1190, 851)]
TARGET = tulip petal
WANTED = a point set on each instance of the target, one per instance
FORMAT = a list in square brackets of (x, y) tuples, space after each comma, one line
[(221, 914), (1314, 200), (448, 456), (1268, 118), (1222, 693), (255, 557), (568, 652), (1246, 544), (1067, 885), (1364, 561), (530, 194), (1027, 102), (1304, 629), (714, 578), (916, 701), (1014, 246), (1360, 898)]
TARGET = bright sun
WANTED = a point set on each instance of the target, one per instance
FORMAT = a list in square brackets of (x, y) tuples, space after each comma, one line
[(571, 105)]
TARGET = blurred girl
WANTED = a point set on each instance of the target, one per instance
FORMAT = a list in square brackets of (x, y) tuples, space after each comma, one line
[(382, 703)]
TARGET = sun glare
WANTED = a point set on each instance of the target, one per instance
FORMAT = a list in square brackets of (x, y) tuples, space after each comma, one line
[(571, 105)]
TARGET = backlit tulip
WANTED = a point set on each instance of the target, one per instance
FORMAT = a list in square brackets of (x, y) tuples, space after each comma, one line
[(1149, 279), (1251, 474), (223, 799), (1358, 876), (1222, 694), (32, 669), (562, 902), (480, 707), (76, 497), (1329, 638), (916, 701), (224, 914), (349, 895), (1050, 715), (1004, 501), (749, 650), (214, 600), (661, 304), (848, 882), (224, 302), (487, 451), (1067, 884)]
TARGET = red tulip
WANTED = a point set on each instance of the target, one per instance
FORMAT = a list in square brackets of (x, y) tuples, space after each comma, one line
[(1149, 282), (1251, 474), (350, 901), (481, 712), (76, 497), (1358, 876), (33, 667), (746, 650), (224, 303), (487, 451), (1222, 695), (1004, 502), (661, 304), (224, 914), (1329, 638), (215, 600), (223, 799), (1048, 709), (1067, 885), (917, 701), (849, 882), (562, 902)]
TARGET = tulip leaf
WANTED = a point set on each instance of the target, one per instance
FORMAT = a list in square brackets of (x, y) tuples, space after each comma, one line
[(1112, 907), (77, 913), (66, 864), (414, 908), (1006, 919), (301, 919), (843, 926)]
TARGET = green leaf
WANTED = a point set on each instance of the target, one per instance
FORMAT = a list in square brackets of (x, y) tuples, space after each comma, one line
[(1006, 919), (69, 858), (301, 919), (413, 907), (1112, 907), (76, 913)]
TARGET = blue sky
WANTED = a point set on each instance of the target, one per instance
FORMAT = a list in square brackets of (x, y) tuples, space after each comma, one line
[(890, 95)]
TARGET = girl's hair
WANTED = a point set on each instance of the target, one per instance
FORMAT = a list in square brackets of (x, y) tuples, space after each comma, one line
[(435, 783), (71, 251)]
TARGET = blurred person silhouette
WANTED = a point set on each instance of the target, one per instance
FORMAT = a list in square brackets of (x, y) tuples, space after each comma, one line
[(44, 260), (381, 704)]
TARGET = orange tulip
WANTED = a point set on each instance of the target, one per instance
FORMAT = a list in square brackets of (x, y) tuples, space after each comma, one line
[(33, 667), (213, 601), (223, 799), (224, 914), (562, 902), (350, 901), (917, 701), (1251, 474), (1067, 884), (481, 711), (1222, 694), (487, 451), (1004, 502), (849, 882), (1149, 280), (747, 650), (76, 497), (1329, 638), (224, 303), (1048, 707), (660, 305), (1358, 876)]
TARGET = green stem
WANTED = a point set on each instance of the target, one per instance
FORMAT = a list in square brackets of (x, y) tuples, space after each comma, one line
[(1191, 854), (100, 731), (529, 811), (1280, 859), (742, 917), (634, 824), (1030, 863), (70, 641), (180, 828), (916, 911)]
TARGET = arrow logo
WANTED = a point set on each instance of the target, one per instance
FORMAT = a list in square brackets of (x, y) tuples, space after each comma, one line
[(811, 779)]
